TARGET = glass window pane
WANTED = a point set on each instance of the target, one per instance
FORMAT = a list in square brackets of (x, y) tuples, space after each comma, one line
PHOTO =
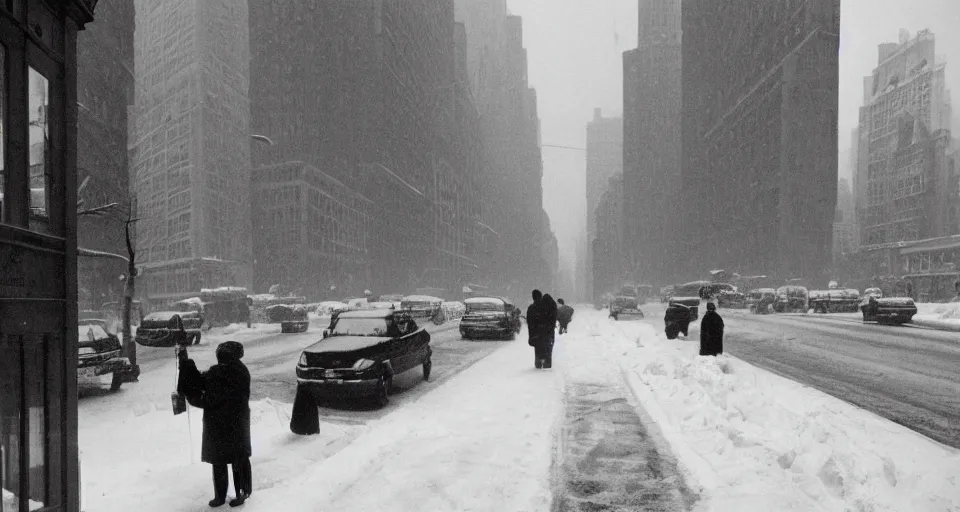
[(11, 391), (3, 69), (39, 103), (35, 361)]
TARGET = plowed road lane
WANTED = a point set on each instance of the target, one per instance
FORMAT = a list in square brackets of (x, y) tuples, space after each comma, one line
[(907, 374)]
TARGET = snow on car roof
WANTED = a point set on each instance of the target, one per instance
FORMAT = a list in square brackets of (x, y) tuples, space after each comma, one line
[(484, 300), (421, 298)]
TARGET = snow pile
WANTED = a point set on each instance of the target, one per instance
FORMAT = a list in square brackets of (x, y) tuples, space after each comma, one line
[(756, 441), (327, 308), (938, 316), (149, 448)]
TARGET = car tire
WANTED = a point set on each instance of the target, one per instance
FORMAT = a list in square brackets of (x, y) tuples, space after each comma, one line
[(383, 390), (116, 381), (427, 367)]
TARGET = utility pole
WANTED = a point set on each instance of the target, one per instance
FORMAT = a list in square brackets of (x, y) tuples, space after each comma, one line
[(130, 347)]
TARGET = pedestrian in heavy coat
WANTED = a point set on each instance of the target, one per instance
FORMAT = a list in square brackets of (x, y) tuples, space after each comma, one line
[(549, 329), (223, 392), (534, 328), (564, 315), (711, 332)]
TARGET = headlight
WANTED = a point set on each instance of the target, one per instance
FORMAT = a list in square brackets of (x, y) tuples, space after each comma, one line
[(363, 364), (303, 359)]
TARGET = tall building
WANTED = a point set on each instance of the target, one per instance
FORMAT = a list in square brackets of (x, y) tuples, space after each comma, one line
[(905, 186), (651, 143), (191, 154), (604, 160), (759, 136), (310, 234), (483, 22), (844, 234), (105, 86), (608, 263)]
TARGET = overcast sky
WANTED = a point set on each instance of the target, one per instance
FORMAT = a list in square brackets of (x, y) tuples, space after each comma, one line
[(575, 47)]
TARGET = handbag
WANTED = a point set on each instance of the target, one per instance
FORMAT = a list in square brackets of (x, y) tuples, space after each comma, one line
[(178, 401)]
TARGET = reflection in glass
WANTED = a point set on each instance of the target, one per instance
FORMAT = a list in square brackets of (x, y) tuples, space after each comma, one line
[(38, 105), (11, 390)]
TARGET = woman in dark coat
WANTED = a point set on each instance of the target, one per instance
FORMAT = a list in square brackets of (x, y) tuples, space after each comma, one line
[(549, 311), (711, 332), (676, 320), (223, 392)]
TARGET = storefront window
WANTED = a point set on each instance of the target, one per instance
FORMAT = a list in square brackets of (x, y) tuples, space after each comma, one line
[(11, 389), (3, 68), (39, 94)]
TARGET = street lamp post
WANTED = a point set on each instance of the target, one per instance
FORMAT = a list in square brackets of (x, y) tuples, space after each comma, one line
[(129, 289)]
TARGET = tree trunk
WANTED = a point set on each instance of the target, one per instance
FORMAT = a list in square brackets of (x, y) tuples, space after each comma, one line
[(129, 345)]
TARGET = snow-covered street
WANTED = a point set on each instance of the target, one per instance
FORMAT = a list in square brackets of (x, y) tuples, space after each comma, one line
[(626, 420)]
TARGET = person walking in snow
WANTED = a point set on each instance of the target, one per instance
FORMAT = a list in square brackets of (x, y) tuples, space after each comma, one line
[(549, 326), (223, 392), (564, 315), (534, 330), (711, 332)]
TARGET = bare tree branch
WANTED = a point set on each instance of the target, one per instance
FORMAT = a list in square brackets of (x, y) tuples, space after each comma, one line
[(99, 210)]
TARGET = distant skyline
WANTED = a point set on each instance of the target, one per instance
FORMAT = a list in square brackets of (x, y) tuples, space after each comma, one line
[(575, 62)]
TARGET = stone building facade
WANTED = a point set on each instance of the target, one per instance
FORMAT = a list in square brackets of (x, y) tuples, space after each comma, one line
[(906, 190), (310, 232), (651, 143), (105, 87), (191, 149), (609, 270), (759, 136), (605, 152)]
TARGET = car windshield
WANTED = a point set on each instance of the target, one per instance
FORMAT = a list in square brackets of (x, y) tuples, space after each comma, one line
[(91, 333), (362, 327)]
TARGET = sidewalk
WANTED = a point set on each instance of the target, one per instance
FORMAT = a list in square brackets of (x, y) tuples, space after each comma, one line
[(481, 442)]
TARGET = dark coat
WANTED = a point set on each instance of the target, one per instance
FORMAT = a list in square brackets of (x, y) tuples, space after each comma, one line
[(711, 334), (549, 319), (564, 314), (676, 320), (223, 392), (533, 323)]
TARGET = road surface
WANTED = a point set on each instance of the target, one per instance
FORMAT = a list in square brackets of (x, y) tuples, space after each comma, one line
[(272, 359), (903, 373)]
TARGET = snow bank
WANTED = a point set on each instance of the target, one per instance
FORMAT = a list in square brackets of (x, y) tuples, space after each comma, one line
[(756, 441), (149, 448), (938, 316)]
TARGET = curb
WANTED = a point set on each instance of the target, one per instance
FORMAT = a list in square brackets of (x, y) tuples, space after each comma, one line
[(696, 466), (939, 325)]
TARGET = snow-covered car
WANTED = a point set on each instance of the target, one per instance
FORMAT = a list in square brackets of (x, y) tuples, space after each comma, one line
[(873, 292), (691, 303), (362, 352), (164, 329), (791, 299), (423, 307), (327, 308), (834, 301), (291, 317), (760, 300), (625, 305), (666, 293), (99, 353), (489, 317), (891, 310)]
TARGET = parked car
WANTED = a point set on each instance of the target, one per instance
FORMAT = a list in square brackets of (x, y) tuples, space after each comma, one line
[(760, 301), (361, 353), (872, 292), (731, 297), (692, 303), (890, 310), (99, 353), (791, 299), (291, 317), (489, 316), (834, 301), (423, 307), (169, 329), (625, 303)]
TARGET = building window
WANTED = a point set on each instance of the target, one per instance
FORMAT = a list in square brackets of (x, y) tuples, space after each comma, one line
[(39, 105), (3, 101)]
